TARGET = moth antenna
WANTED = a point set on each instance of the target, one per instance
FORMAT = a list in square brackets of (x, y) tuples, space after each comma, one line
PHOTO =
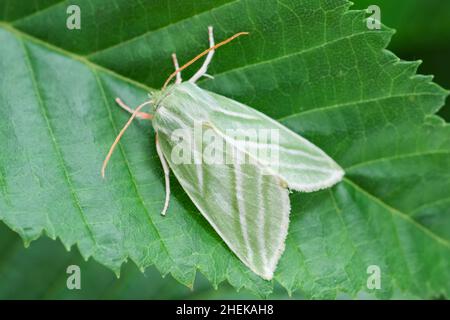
[(116, 141), (173, 74)]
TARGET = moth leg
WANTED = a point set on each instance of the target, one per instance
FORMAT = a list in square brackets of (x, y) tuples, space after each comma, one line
[(177, 66), (141, 115), (166, 175), (202, 71)]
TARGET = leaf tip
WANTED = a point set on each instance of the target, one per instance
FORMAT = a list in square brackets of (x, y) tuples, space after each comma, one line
[(26, 243)]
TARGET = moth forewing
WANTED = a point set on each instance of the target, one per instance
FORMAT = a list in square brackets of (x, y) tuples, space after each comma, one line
[(246, 203), (246, 206), (303, 165)]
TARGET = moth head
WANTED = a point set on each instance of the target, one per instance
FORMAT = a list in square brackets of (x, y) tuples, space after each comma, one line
[(153, 99), (156, 97)]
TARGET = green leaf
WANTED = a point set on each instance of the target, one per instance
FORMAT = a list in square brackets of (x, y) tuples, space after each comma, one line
[(313, 65), (418, 36), (25, 273)]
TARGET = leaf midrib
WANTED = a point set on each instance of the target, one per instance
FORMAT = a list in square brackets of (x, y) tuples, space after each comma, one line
[(144, 34), (73, 56), (92, 65)]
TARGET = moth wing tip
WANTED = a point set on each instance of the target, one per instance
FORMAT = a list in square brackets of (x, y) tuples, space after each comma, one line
[(267, 276), (340, 173), (266, 273)]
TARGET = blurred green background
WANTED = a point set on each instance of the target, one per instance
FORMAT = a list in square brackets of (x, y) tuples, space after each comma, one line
[(423, 33), (39, 272)]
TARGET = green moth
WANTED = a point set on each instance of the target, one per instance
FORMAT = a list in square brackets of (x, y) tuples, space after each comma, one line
[(246, 198)]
